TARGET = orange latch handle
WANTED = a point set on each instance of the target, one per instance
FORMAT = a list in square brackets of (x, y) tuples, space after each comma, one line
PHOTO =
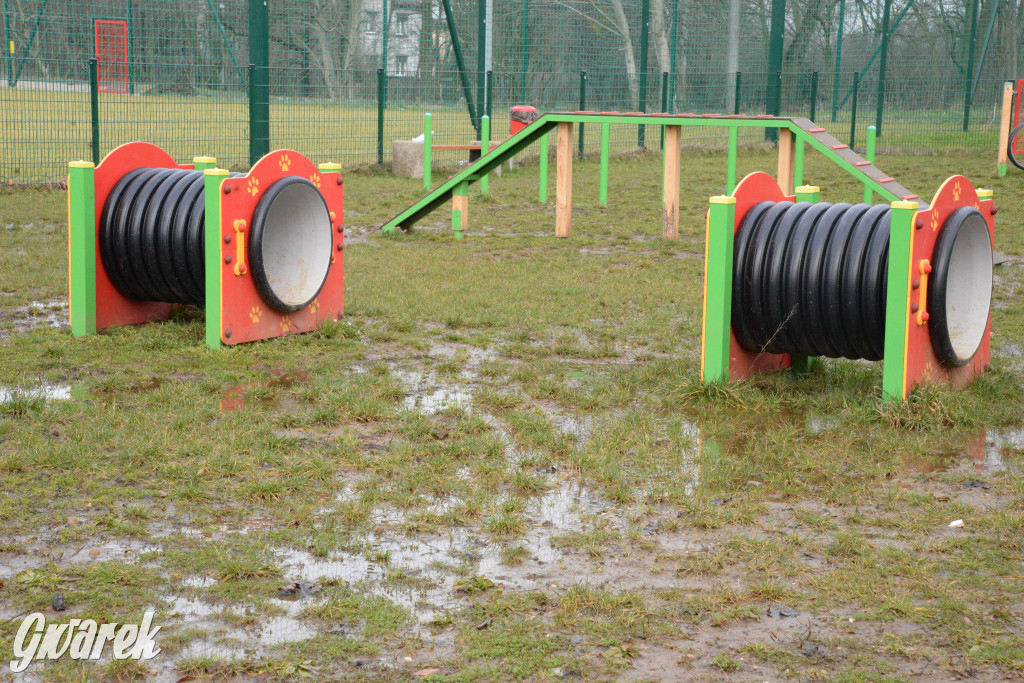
[(240, 268), (922, 293)]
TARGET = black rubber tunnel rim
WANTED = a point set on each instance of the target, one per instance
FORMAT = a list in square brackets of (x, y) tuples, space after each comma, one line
[(259, 221), (938, 325)]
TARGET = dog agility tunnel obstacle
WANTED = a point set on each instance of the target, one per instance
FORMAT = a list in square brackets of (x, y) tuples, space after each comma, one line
[(788, 278), (261, 251), (795, 134)]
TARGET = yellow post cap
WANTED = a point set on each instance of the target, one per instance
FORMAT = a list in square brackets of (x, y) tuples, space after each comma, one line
[(906, 205), (808, 189), (330, 166), (215, 171), (204, 160), (985, 194), (81, 164), (723, 200)]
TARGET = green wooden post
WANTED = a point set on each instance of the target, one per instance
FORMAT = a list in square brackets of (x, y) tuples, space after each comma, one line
[(203, 163), (603, 184), (428, 153), (869, 154), (485, 148), (714, 364), (897, 299), (381, 97), (213, 177), (82, 247), (94, 109), (880, 103), (645, 31), (542, 192), (583, 106), (730, 170)]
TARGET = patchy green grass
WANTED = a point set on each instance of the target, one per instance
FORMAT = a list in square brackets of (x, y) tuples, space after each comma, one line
[(501, 465)]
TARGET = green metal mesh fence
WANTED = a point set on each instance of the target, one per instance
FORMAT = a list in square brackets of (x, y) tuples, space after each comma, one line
[(346, 77)]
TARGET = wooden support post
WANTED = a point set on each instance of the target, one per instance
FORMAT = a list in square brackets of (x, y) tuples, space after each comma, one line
[(673, 151), (787, 160), (460, 209), (1004, 127), (563, 181)]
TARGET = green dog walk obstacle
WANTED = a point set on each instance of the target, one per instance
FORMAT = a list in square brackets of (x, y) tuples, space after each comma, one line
[(795, 134)]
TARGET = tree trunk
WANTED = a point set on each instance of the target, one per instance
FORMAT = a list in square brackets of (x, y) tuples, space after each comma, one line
[(622, 25)]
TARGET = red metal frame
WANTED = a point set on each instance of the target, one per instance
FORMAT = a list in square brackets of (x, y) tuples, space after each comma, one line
[(244, 315), (922, 364), (111, 43), (755, 188)]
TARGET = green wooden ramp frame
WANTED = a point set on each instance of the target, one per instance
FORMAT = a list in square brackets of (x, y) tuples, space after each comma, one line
[(795, 134)]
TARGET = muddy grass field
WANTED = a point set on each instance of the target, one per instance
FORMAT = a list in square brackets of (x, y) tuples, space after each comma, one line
[(501, 465)]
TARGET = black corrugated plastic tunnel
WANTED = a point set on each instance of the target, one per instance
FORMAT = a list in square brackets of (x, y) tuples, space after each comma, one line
[(152, 241), (809, 279)]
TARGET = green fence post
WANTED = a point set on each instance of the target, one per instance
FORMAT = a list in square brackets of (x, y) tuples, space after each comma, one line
[(485, 148), (583, 105), (523, 40), (869, 154), (969, 71), (645, 23), (814, 95), (853, 107), (259, 88), (490, 97), (603, 185), (481, 56), (776, 43), (897, 299), (460, 62), (542, 192), (715, 337), (8, 47), (212, 179), (82, 247), (838, 60), (880, 104), (381, 98), (736, 96), (664, 103), (428, 153), (730, 169), (94, 108)]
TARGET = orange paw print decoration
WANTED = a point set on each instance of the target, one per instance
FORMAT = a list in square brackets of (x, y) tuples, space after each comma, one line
[(253, 187), (315, 179), (255, 314), (286, 323), (285, 163)]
